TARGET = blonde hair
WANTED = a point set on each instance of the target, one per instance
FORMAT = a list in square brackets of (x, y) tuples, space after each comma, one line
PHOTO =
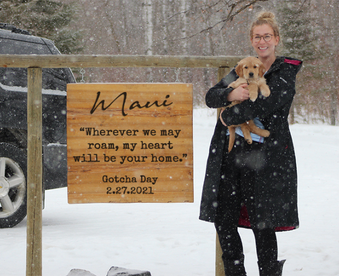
[(268, 18)]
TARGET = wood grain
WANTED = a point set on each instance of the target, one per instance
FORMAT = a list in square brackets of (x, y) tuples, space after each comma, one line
[(130, 142), (85, 61)]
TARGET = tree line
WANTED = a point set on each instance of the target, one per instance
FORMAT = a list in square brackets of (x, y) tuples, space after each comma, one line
[(192, 27)]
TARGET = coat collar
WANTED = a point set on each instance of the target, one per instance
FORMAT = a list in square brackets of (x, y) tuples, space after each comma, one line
[(276, 64), (281, 60)]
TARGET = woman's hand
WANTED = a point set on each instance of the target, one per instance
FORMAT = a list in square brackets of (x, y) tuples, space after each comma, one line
[(239, 94)]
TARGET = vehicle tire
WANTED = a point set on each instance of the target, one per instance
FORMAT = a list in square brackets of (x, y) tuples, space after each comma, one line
[(13, 190)]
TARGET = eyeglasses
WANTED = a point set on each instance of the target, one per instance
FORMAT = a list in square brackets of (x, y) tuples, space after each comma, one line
[(266, 37)]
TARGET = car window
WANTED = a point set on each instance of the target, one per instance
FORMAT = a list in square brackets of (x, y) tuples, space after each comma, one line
[(54, 79), (19, 47)]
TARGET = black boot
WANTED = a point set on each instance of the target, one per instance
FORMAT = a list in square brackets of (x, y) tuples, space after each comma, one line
[(272, 269), (235, 268)]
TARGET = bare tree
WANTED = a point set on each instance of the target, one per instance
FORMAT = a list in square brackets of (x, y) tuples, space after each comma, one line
[(149, 26), (208, 9), (334, 62)]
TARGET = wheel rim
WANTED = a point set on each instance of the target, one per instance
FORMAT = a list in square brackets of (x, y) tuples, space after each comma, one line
[(12, 187)]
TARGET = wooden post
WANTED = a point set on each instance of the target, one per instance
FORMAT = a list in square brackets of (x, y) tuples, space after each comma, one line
[(219, 265), (34, 173)]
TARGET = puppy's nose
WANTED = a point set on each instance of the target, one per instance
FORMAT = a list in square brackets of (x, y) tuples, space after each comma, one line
[(251, 74)]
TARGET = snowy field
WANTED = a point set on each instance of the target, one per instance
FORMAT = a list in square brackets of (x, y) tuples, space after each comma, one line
[(169, 240)]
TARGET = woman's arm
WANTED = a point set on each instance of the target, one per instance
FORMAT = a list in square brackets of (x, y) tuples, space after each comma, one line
[(217, 96)]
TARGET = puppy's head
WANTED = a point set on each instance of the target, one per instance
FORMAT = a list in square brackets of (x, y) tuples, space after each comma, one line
[(250, 68)]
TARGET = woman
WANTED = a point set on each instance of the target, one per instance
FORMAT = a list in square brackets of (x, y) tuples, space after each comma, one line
[(253, 186)]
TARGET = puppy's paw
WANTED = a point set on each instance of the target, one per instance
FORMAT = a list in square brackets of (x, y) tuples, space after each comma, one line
[(265, 91), (253, 97), (265, 133), (234, 84)]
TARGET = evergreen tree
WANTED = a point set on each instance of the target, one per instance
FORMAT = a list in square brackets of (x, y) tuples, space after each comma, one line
[(298, 34), (299, 38), (46, 18)]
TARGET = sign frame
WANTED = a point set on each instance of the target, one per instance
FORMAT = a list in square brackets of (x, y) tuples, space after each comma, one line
[(130, 142)]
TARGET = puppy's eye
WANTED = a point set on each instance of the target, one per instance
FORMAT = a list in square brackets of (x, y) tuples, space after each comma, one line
[(246, 67), (254, 66)]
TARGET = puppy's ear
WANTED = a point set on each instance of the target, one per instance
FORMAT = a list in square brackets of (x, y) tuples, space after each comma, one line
[(262, 70), (239, 70)]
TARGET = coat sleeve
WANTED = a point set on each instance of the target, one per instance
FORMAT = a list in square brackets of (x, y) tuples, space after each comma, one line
[(282, 92), (217, 95)]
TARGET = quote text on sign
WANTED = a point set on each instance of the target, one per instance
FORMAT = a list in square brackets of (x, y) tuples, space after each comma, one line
[(129, 142)]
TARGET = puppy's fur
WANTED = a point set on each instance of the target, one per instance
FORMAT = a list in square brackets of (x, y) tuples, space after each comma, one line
[(251, 71)]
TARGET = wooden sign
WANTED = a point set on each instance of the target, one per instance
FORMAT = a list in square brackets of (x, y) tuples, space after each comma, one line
[(129, 142)]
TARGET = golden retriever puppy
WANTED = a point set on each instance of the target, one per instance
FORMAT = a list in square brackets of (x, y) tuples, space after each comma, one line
[(251, 71)]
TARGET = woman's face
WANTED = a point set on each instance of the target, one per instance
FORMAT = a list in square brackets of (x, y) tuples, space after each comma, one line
[(264, 41)]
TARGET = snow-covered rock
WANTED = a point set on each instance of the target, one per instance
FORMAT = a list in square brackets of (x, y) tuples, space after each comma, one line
[(80, 272), (119, 271)]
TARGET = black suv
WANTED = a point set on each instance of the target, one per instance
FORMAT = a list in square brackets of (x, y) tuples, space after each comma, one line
[(13, 123)]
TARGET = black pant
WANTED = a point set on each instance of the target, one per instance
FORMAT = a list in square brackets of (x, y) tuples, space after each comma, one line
[(239, 170)]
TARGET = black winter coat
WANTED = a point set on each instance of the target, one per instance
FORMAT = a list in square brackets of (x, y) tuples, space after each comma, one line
[(276, 184)]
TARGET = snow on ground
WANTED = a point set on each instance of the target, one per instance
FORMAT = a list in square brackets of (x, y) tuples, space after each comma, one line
[(169, 240)]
